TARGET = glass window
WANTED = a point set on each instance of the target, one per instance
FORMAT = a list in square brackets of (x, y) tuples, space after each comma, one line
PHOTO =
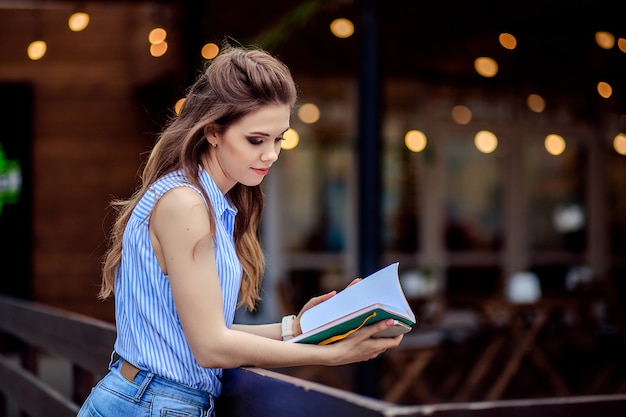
[(617, 202), (316, 182), (556, 214), (400, 200), (474, 184)]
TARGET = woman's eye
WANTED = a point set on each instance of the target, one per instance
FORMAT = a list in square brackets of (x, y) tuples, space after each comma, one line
[(255, 141), (280, 139)]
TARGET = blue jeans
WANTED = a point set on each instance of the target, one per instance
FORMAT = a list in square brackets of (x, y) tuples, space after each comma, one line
[(147, 396)]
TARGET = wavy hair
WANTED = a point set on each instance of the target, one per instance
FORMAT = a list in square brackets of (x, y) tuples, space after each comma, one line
[(238, 81)]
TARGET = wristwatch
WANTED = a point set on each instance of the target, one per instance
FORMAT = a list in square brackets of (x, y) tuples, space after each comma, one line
[(287, 327)]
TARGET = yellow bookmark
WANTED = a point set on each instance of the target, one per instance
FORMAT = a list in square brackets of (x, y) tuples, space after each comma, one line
[(346, 334)]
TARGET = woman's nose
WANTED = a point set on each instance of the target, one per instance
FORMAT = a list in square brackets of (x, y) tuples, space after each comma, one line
[(270, 154)]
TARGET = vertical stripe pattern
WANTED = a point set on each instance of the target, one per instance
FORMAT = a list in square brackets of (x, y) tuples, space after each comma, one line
[(149, 332)]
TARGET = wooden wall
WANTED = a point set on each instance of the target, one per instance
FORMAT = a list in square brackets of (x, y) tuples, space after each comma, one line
[(95, 94)]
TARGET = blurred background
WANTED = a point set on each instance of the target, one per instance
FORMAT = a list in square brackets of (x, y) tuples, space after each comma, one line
[(481, 145)]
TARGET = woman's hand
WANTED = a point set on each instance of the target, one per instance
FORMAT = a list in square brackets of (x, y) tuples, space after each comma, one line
[(297, 329), (360, 346)]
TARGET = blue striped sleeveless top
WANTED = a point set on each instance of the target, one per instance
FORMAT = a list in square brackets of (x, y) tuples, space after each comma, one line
[(149, 332)]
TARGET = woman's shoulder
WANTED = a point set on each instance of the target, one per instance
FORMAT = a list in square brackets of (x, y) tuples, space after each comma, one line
[(184, 197)]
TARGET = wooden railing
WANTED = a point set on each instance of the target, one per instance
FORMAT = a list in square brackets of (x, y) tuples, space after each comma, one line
[(29, 329)]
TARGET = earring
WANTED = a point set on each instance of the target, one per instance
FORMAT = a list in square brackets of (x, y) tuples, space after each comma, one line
[(214, 145)]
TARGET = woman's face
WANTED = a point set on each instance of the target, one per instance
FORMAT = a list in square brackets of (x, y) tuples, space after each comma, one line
[(248, 148)]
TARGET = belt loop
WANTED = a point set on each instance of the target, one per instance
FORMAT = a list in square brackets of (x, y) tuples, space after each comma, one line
[(111, 360), (210, 412), (143, 387)]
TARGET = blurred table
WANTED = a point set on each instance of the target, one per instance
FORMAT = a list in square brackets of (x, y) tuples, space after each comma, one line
[(520, 326)]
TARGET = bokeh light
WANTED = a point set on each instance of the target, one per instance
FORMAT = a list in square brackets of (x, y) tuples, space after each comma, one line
[(37, 49), (292, 139), (507, 41), (210, 51), (485, 66), (157, 35), (78, 21), (158, 49), (619, 143), (604, 89), (605, 40), (179, 105), (536, 103), (554, 144), (485, 141), (461, 114), (415, 140), (309, 113), (342, 28)]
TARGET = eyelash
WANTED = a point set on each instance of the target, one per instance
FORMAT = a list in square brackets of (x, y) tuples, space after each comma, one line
[(256, 141)]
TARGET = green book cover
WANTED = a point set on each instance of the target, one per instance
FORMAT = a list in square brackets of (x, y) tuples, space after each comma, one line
[(345, 328)]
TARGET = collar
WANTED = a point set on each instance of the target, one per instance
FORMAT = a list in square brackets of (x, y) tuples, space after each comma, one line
[(220, 202)]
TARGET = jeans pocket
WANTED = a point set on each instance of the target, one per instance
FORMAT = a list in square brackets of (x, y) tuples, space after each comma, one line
[(163, 406)]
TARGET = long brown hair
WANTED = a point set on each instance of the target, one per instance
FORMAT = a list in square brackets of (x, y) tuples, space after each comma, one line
[(237, 82)]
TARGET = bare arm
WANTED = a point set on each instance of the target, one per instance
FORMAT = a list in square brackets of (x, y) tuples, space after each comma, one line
[(181, 232), (274, 331)]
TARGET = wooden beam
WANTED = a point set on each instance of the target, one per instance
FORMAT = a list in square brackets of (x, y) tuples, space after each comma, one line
[(86, 342), (32, 395)]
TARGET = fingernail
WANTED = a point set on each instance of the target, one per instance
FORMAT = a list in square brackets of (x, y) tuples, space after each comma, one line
[(389, 322)]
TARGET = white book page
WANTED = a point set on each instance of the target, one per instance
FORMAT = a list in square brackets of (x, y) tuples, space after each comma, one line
[(382, 287)]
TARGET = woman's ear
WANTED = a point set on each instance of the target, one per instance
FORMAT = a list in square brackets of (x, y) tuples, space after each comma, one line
[(210, 131)]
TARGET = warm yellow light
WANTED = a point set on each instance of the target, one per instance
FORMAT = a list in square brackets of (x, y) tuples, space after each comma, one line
[(210, 51), (487, 67), (36, 50), (342, 28), (605, 40), (619, 143), (78, 21), (604, 89), (461, 114), (415, 140), (179, 105), (485, 141), (309, 113), (621, 44), (158, 49), (536, 103), (157, 35), (291, 139), (555, 144), (507, 40)]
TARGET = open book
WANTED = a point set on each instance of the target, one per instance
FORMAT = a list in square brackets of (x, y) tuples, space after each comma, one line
[(375, 298)]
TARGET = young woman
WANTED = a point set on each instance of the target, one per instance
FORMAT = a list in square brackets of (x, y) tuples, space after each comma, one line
[(184, 251)]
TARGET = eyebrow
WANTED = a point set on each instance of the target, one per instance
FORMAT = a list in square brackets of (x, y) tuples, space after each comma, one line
[(266, 134)]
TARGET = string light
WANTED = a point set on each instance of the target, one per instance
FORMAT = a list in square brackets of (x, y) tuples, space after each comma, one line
[(210, 51), (619, 143), (78, 21), (309, 113), (179, 105), (485, 141), (415, 140), (536, 103), (461, 114), (485, 66), (604, 89), (158, 45), (507, 41), (342, 28), (37, 49), (605, 40), (291, 139), (157, 35), (554, 144)]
